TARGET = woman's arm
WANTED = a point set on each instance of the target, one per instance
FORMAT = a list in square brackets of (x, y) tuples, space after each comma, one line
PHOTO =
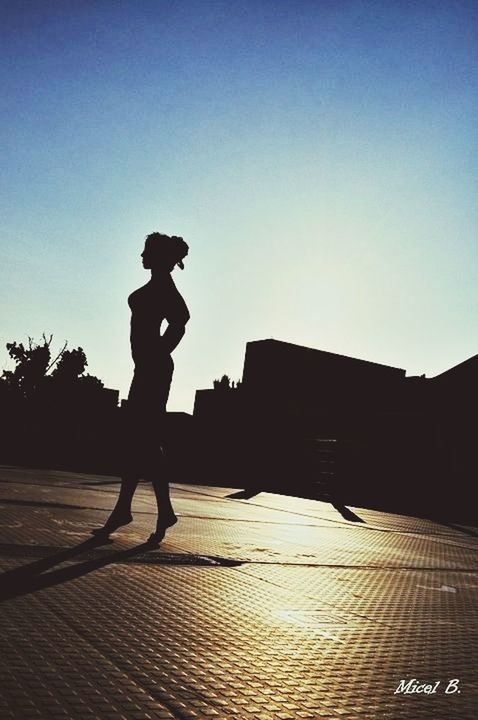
[(177, 315), (172, 336)]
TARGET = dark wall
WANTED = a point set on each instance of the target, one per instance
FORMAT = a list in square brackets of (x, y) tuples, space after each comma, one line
[(300, 379)]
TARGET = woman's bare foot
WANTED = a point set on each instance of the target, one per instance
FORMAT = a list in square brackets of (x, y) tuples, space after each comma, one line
[(164, 522), (115, 521)]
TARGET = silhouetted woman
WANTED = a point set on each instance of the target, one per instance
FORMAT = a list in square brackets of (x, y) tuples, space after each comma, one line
[(156, 301)]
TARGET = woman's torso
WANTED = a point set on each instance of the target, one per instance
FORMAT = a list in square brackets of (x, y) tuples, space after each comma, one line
[(150, 305)]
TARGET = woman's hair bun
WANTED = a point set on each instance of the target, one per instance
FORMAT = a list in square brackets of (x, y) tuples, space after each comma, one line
[(182, 249), (173, 245)]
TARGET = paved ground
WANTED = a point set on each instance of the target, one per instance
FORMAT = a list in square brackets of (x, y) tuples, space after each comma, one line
[(267, 608)]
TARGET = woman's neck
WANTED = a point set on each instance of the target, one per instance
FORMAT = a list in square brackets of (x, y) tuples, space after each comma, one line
[(160, 274)]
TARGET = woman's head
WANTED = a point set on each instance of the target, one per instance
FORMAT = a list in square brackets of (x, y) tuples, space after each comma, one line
[(163, 252)]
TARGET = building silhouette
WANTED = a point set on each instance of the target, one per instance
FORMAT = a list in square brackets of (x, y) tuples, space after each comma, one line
[(283, 379), (395, 437)]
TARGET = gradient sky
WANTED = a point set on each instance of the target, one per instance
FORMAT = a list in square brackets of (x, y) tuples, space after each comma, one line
[(320, 158)]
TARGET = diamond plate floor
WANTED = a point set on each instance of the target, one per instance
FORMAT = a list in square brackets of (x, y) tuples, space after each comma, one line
[(267, 609)]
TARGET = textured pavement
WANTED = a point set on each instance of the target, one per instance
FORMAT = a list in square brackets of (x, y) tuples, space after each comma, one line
[(269, 608)]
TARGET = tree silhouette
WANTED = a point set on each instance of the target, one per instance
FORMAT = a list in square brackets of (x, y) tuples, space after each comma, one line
[(70, 365), (36, 373), (52, 413), (225, 384), (31, 366)]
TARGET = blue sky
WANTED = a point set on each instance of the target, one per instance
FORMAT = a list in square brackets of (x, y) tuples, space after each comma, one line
[(319, 158)]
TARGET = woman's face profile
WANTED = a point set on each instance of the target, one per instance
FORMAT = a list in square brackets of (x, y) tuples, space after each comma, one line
[(146, 257), (153, 258)]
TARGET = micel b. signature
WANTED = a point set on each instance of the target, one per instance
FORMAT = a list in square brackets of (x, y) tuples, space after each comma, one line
[(413, 685)]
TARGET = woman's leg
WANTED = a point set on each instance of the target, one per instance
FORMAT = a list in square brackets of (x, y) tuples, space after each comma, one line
[(166, 515), (121, 513), (158, 472), (129, 483), (129, 447)]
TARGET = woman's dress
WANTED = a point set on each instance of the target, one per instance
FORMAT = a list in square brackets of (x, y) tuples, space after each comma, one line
[(150, 305)]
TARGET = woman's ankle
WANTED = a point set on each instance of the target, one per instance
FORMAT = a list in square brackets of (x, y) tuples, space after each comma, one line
[(119, 511)]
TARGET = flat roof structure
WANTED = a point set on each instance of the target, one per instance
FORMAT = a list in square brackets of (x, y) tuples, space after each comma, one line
[(304, 378)]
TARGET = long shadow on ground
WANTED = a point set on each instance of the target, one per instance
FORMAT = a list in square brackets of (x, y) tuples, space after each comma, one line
[(29, 578)]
